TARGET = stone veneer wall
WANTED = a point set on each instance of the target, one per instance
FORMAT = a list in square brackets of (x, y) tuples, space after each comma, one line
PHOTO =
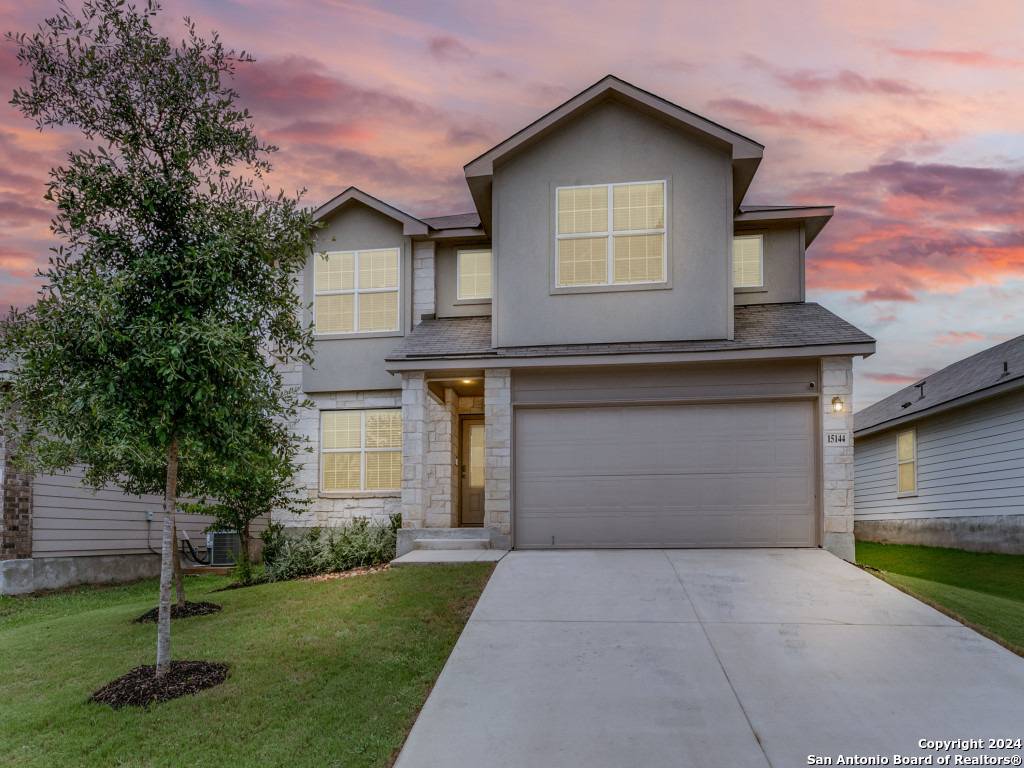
[(837, 460), (430, 446), (422, 280), (498, 452), (329, 510)]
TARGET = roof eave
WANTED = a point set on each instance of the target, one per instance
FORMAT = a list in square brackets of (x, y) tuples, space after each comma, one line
[(746, 153), (814, 218), (996, 390), (493, 359), (410, 224)]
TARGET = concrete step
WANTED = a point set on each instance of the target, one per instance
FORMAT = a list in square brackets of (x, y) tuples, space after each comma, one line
[(452, 543), (448, 557)]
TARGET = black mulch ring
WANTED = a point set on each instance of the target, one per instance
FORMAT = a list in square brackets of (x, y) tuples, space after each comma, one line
[(202, 608), (141, 687)]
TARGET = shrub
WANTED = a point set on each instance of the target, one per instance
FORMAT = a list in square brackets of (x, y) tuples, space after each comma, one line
[(359, 543), (273, 537)]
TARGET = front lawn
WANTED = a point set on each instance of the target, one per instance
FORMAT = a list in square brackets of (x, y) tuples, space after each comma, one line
[(985, 591), (323, 673)]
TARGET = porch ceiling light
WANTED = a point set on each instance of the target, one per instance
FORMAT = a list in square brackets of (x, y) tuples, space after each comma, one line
[(468, 381), (837, 404)]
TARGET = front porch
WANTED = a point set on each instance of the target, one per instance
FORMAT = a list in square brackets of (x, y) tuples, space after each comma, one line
[(456, 457)]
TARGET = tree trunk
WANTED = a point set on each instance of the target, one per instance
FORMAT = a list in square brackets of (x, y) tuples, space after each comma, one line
[(168, 553), (246, 553), (179, 581)]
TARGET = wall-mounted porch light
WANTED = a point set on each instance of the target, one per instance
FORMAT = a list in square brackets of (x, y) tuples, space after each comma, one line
[(837, 404)]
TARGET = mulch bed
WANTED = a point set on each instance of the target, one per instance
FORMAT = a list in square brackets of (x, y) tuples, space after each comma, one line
[(202, 608), (334, 575), (141, 687)]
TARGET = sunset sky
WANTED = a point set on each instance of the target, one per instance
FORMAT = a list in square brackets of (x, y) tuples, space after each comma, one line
[(908, 116)]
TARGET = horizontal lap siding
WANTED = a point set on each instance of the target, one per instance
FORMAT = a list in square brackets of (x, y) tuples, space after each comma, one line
[(70, 519), (970, 463)]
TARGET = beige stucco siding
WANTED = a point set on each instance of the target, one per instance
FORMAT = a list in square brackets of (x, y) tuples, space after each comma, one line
[(357, 363), (614, 143), (783, 267), (446, 270)]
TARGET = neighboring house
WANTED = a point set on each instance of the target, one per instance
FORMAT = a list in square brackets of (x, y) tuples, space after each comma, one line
[(55, 532), (610, 351), (941, 462)]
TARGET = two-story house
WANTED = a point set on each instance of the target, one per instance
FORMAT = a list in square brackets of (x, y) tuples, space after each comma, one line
[(610, 351)]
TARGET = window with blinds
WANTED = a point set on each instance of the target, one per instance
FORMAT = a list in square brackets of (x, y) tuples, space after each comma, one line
[(473, 268), (611, 234), (356, 291), (748, 261), (361, 450), (906, 462)]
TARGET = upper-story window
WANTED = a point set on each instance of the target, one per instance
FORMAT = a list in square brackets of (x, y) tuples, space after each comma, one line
[(748, 261), (356, 291), (611, 234), (473, 269)]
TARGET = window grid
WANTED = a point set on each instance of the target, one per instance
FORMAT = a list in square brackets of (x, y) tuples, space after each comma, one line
[(634, 201), (474, 270), (748, 261), (373, 274), (373, 438), (906, 462)]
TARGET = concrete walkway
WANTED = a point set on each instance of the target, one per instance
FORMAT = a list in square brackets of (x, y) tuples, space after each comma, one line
[(706, 658)]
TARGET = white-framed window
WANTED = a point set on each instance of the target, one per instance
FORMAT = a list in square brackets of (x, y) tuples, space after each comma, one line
[(356, 291), (748, 261), (610, 234), (906, 462), (473, 273), (361, 450)]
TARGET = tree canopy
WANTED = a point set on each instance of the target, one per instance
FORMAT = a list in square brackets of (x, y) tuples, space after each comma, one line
[(170, 305)]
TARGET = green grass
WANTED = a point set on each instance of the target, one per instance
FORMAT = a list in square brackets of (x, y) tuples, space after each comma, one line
[(985, 591), (328, 673)]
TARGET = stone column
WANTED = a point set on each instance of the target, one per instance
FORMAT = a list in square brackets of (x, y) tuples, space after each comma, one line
[(422, 280), (498, 450), (414, 393), (437, 460), (837, 458)]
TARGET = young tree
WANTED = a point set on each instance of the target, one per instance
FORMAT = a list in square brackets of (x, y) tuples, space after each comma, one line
[(151, 351), (252, 485)]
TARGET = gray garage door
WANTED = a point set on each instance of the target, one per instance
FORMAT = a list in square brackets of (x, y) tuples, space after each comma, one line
[(721, 475)]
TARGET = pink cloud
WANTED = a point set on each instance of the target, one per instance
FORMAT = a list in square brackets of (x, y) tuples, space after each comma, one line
[(955, 338), (887, 293), (449, 49), (890, 377), (979, 59)]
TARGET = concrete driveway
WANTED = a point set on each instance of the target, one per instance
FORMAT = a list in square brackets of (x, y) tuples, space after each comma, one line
[(707, 658)]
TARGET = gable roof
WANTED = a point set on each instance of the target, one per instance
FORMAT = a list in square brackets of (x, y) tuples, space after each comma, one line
[(989, 373), (814, 217), (410, 224), (746, 153)]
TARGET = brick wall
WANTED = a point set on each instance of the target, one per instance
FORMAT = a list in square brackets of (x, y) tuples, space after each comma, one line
[(16, 522)]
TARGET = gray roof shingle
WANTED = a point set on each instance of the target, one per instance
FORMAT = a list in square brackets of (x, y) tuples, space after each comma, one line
[(964, 377), (757, 326), (453, 221)]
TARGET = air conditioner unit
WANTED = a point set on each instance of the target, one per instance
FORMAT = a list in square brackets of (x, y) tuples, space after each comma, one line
[(223, 547)]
